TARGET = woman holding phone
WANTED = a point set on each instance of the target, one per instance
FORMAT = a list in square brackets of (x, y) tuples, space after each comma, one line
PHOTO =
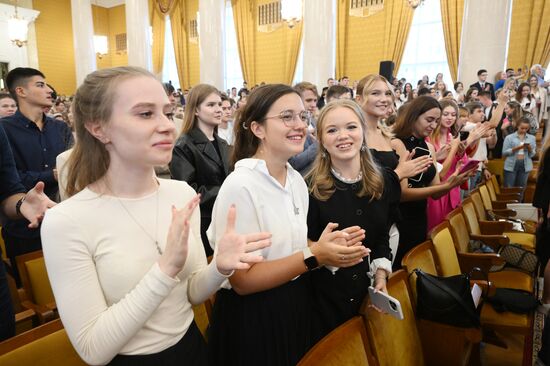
[(519, 149)]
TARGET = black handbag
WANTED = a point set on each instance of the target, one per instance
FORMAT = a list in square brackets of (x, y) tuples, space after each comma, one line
[(516, 301), (446, 300)]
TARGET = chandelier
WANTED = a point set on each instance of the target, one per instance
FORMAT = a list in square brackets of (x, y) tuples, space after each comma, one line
[(17, 29), (291, 12), (415, 3)]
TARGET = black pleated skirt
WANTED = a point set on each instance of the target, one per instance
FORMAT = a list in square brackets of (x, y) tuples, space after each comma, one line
[(266, 328)]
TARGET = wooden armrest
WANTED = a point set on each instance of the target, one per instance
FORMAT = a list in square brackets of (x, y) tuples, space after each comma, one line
[(44, 313), (24, 315), (494, 241), (494, 227), (486, 286), (504, 213), (483, 261), (508, 196), (502, 204)]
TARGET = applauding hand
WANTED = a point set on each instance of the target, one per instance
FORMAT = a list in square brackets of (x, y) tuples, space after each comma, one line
[(35, 205)]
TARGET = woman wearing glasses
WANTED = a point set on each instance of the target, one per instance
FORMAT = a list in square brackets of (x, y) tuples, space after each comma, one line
[(263, 315), (201, 157)]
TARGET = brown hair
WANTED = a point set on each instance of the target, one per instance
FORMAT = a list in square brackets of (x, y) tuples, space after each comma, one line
[(404, 124), (259, 102), (196, 96), (444, 103), (93, 103), (322, 184), (517, 113), (519, 97), (305, 85)]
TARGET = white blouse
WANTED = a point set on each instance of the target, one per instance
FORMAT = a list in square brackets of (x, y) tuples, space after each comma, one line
[(111, 294), (263, 204)]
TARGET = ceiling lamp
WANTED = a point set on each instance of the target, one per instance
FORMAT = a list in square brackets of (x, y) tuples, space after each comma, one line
[(291, 12), (17, 29), (101, 46), (415, 3)]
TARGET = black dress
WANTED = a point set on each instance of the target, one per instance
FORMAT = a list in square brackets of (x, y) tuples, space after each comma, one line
[(203, 164), (337, 297), (541, 199), (414, 223)]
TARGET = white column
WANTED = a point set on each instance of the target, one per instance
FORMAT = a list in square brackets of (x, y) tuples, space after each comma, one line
[(211, 42), (484, 44), (319, 41), (138, 34), (83, 39)]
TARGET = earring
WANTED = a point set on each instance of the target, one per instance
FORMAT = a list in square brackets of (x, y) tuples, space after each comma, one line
[(363, 147), (323, 154), (244, 126)]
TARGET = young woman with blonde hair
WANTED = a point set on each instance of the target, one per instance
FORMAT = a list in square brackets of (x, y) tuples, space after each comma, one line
[(263, 315), (201, 157), (123, 253), (347, 186)]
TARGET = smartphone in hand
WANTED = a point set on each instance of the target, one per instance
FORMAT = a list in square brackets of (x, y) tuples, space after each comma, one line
[(386, 303)]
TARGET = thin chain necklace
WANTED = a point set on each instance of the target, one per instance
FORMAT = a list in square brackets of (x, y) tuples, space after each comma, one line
[(344, 179), (154, 239)]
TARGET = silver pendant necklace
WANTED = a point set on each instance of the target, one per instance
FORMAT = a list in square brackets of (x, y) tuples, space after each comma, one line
[(154, 239)]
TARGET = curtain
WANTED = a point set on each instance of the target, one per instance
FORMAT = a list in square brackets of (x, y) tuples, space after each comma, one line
[(178, 21), (244, 15), (530, 34), (341, 36), (398, 22), (452, 12), (293, 40)]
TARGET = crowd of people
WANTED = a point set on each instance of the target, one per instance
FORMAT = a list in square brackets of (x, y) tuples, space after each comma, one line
[(299, 200)]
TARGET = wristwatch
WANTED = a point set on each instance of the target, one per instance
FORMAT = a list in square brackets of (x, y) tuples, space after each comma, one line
[(18, 205), (309, 259)]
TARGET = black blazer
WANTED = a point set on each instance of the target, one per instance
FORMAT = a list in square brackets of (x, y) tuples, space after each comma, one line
[(491, 88), (196, 161)]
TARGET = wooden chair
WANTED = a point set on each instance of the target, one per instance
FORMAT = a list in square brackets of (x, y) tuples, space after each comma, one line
[(496, 167), (500, 196), (395, 342), (37, 294), (489, 202), (491, 320), (443, 344), (506, 190), (346, 345), (45, 345), (203, 315)]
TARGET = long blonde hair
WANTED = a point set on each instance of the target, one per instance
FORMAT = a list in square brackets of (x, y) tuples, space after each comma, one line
[(364, 87), (435, 135), (93, 103), (321, 181)]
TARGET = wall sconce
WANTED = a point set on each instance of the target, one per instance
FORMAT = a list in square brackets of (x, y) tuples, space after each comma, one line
[(101, 46), (415, 3), (291, 12)]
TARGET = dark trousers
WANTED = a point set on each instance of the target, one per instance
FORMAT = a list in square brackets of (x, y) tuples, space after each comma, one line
[(16, 246), (7, 317), (190, 350)]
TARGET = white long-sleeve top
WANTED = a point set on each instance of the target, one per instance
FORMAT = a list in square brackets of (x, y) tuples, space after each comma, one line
[(263, 204), (111, 294)]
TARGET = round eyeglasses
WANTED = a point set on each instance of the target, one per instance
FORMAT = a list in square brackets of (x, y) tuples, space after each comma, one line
[(289, 118)]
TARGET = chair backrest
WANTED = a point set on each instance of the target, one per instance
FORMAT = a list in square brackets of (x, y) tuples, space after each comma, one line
[(41, 346), (475, 196), (496, 185), (203, 314), (470, 215), (346, 345), (491, 189), (459, 230), (34, 277), (421, 257), (444, 249), (3, 247), (485, 197), (395, 342)]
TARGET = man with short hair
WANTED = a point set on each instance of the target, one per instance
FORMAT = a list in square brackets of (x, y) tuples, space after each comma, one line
[(331, 82), (302, 161), (244, 89), (225, 129), (482, 83), (233, 95), (337, 92), (35, 141), (424, 91), (344, 81)]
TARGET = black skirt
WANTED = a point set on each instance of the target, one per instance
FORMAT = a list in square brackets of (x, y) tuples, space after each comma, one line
[(190, 350), (267, 328)]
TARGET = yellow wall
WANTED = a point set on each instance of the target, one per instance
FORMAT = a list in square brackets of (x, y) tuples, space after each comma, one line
[(101, 28), (54, 38), (117, 25), (192, 7), (365, 44)]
